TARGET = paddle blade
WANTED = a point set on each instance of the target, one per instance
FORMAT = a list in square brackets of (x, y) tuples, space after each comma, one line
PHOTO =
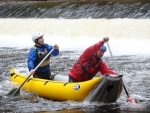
[(14, 92), (130, 100)]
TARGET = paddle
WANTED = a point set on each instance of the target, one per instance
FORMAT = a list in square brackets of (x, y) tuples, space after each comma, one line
[(128, 96), (16, 91)]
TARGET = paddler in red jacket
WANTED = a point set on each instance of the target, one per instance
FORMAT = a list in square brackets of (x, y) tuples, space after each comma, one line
[(90, 63)]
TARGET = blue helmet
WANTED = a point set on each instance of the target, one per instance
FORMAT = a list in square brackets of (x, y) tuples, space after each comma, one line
[(103, 48)]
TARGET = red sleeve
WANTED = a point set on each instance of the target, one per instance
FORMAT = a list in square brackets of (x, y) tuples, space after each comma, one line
[(88, 53), (105, 70)]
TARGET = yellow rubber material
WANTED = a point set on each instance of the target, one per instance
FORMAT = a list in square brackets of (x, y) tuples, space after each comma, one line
[(55, 90)]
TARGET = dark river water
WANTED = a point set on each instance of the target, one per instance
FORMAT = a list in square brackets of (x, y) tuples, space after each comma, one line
[(135, 68), (136, 78)]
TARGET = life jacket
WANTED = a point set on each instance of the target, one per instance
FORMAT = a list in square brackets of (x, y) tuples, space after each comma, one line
[(41, 56), (86, 73)]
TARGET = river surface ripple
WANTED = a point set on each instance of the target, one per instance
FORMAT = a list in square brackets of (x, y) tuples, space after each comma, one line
[(134, 68)]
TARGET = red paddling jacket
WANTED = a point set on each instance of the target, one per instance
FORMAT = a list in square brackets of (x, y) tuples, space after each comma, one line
[(88, 64)]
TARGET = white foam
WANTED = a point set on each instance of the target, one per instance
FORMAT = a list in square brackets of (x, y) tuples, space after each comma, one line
[(127, 36)]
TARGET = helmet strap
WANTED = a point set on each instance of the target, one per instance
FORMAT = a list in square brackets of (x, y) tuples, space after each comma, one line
[(36, 41)]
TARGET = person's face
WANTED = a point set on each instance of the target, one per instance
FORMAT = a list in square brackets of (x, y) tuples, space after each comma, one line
[(41, 40), (100, 53)]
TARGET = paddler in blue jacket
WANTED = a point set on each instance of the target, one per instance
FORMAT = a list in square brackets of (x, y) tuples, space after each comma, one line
[(37, 54)]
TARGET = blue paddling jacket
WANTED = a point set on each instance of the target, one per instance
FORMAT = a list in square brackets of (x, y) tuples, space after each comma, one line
[(37, 54)]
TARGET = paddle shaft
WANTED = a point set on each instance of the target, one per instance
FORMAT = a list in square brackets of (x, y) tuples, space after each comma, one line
[(117, 68), (34, 70)]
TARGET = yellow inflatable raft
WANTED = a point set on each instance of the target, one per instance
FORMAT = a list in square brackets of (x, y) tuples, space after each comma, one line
[(105, 89)]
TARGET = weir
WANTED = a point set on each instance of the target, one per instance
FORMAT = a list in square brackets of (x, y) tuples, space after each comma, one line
[(75, 10), (120, 1)]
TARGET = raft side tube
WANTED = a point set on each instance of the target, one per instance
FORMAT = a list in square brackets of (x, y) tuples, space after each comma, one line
[(107, 90), (60, 78)]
